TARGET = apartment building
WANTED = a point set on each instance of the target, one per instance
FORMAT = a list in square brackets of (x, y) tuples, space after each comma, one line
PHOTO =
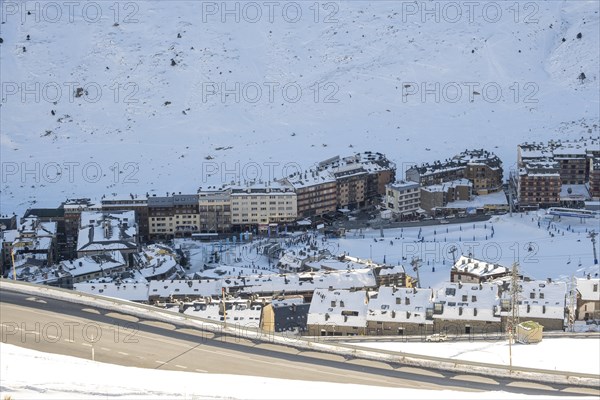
[(539, 184), (403, 198), (547, 168), (594, 166), (316, 192), (214, 208), (262, 205), (72, 213), (481, 167), (360, 178), (172, 216), (434, 197)]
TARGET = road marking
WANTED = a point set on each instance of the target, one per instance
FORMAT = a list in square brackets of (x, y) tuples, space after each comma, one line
[(36, 300), (104, 348), (91, 310), (52, 337), (86, 344), (161, 362), (181, 366), (200, 370), (122, 353), (69, 340)]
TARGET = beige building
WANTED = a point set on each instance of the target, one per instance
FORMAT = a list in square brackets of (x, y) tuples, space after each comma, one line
[(214, 211), (263, 204), (173, 216), (403, 198), (588, 299)]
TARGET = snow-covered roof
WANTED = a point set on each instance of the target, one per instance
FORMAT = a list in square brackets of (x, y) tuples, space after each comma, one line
[(33, 226), (302, 282), (392, 270), (107, 231), (32, 243), (338, 307), (444, 187), (91, 264), (10, 236), (310, 177), (540, 299), (472, 266), (586, 287), (133, 291), (156, 260), (402, 185), (238, 311), (400, 305), (480, 201), (187, 287), (472, 302)]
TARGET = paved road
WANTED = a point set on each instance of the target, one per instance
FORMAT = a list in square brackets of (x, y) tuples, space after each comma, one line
[(385, 224), (68, 328)]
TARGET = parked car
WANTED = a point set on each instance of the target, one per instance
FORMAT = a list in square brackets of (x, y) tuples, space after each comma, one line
[(436, 337), (444, 221)]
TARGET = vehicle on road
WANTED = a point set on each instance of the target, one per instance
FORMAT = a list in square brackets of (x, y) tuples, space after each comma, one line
[(444, 221), (436, 337)]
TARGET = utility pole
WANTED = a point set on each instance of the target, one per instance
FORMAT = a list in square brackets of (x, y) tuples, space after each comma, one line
[(416, 264), (224, 308), (572, 303), (592, 235), (513, 320), (12, 258)]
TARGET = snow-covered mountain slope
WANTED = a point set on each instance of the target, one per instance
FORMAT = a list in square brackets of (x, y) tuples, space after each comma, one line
[(161, 111)]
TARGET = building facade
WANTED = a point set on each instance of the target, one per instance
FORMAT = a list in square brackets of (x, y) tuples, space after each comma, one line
[(262, 205)]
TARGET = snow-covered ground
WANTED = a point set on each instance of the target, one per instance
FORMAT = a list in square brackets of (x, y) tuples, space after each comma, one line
[(304, 85), (557, 252), (27, 374), (573, 355), (555, 249)]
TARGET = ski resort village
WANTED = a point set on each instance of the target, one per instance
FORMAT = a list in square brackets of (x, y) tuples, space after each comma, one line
[(288, 199), (344, 248)]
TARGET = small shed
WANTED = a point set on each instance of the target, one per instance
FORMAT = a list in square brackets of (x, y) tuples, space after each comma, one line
[(529, 332)]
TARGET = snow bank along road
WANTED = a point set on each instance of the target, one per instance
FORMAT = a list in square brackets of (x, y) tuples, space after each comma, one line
[(54, 326)]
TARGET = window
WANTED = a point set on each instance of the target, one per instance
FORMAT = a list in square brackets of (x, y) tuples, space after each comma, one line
[(595, 287), (473, 298), (398, 300), (532, 295), (465, 297), (541, 295)]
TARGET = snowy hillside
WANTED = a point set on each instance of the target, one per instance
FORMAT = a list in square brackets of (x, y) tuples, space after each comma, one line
[(158, 112)]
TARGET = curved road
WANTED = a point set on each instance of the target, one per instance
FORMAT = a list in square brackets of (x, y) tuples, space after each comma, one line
[(71, 329)]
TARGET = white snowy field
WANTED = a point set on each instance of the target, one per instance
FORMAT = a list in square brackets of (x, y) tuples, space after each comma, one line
[(572, 355), (503, 239), (28, 374), (177, 96)]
